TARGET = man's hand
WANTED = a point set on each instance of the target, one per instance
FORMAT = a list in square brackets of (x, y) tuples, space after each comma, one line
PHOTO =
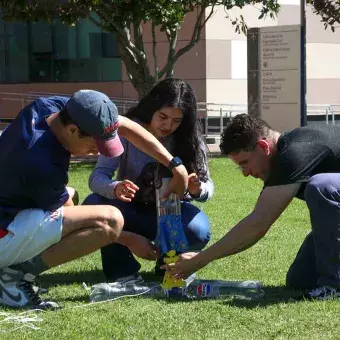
[(125, 190), (142, 247), (194, 185), (178, 183), (185, 266)]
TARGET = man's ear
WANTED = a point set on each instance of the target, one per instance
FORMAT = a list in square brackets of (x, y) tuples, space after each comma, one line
[(72, 130), (263, 145)]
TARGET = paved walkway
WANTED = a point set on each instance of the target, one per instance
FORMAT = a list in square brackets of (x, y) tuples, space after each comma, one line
[(214, 151)]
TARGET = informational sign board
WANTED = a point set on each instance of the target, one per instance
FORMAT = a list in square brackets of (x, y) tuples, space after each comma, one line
[(274, 75)]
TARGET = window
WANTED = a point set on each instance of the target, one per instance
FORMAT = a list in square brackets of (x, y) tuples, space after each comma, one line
[(57, 53), (13, 52), (41, 52)]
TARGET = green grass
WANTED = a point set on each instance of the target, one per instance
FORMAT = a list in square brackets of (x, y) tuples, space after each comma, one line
[(273, 317)]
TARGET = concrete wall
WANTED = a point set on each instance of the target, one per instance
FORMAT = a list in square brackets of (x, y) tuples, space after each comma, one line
[(191, 67), (227, 63), (228, 55)]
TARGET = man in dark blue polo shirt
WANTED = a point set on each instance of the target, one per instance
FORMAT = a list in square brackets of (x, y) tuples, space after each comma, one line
[(39, 226)]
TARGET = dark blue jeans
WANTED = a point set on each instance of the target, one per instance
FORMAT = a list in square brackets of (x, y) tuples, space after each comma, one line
[(318, 260), (141, 218)]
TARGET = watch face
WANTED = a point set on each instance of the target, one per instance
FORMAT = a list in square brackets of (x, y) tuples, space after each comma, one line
[(176, 161)]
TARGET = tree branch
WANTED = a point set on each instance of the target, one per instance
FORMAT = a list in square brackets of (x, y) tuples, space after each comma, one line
[(171, 54), (140, 53), (138, 34), (132, 51), (124, 43), (154, 51), (139, 43), (195, 37), (129, 59), (97, 23), (123, 32)]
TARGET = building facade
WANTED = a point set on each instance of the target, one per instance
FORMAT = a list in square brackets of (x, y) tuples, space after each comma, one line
[(227, 55), (55, 58)]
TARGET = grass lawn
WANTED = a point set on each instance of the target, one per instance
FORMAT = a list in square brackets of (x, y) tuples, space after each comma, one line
[(273, 317)]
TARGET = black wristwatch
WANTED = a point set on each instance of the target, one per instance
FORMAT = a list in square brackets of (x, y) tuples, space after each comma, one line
[(176, 161)]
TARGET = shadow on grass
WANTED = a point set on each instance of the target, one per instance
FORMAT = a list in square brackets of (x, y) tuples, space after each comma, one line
[(90, 277), (273, 295), (81, 166)]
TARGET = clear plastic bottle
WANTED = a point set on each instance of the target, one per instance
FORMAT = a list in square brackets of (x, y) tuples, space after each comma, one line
[(197, 289), (218, 289), (108, 291), (170, 206), (170, 234)]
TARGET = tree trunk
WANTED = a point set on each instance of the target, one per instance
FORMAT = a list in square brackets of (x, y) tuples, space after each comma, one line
[(144, 86), (137, 68)]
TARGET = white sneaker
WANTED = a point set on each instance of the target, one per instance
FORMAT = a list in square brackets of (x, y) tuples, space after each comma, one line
[(16, 290)]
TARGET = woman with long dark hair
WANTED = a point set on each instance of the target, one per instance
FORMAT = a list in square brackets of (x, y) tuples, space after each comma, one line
[(169, 112)]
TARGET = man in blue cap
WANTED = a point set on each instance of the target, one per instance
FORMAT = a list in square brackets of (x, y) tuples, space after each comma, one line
[(40, 227)]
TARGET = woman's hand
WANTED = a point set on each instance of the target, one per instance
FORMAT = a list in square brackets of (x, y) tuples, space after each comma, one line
[(194, 185), (125, 190), (143, 247), (178, 183)]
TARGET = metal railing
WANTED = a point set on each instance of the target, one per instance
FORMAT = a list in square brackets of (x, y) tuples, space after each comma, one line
[(122, 103), (334, 110), (214, 116), (220, 112)]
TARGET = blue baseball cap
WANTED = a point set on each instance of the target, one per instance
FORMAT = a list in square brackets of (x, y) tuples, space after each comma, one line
[(97, 115)]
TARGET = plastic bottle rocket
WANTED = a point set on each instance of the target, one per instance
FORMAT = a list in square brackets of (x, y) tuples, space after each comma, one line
[(170, 238), (197, 289)]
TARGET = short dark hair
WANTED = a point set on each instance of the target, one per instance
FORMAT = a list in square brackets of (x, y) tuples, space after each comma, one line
[(242, 134), (66, 119)]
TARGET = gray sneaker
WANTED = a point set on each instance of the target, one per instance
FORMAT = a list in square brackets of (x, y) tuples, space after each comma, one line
[(16, 290), (39, 290), (133, 278), (323, 293)]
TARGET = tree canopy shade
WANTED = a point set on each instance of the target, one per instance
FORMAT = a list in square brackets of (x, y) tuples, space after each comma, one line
[(125, 18)]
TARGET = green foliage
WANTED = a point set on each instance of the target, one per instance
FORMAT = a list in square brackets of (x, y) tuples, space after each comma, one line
[(168, 15), (329, 10)]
